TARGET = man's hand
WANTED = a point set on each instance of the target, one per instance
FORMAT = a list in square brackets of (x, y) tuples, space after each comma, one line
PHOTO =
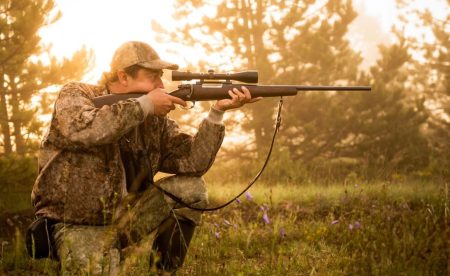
[(163, 103), (238, 99)]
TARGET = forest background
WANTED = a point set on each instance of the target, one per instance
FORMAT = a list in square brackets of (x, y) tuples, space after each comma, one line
[(400, 129)]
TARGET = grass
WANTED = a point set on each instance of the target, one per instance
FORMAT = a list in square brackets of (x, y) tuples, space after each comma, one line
[(383, 228)]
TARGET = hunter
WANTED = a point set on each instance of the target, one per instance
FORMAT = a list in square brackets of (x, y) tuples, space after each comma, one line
[(95, 196)]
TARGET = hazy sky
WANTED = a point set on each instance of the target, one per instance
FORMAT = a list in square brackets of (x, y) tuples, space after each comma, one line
[(104, 24)]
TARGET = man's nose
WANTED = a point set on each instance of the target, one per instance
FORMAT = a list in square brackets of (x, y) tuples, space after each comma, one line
[(160, 83)]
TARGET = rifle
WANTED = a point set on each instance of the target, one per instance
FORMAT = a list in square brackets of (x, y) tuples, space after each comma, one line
[(215, 86)]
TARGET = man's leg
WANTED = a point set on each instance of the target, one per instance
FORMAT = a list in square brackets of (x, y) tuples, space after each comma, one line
[(152, 210), (86, 250), (174, 235)]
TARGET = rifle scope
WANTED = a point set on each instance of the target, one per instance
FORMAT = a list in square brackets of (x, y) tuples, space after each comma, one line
[(246, 76)]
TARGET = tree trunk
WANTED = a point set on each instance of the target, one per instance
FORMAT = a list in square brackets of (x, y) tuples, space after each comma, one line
[(17, 123), (4, 118)]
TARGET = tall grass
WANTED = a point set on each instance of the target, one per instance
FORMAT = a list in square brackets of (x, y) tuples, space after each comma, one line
[(376, 228), (356, 228)]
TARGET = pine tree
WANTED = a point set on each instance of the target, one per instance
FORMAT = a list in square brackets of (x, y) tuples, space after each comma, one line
[(387, 134), (22, 74), (436, 79), (303, 43), (431, 75), (296, 43)]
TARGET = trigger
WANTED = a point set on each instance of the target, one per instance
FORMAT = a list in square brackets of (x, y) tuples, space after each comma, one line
[(189, 106)]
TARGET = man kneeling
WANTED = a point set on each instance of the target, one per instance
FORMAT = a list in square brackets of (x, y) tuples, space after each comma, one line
[(96, 166)]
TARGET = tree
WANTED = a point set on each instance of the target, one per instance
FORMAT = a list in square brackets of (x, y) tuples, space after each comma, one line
[(388, 131), (301, 43), (23, 75), (439, 60), (431, 73), (295, 42)]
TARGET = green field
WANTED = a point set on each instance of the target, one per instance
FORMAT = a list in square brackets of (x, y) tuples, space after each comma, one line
[(395, 228)]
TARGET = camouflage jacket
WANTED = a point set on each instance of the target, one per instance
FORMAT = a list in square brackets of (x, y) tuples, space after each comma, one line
[(82, 175)]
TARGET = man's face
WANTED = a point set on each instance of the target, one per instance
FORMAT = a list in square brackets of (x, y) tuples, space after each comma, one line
[(146, 80)]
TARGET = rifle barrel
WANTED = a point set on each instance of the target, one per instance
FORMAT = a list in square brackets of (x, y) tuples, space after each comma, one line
[(332, 88)]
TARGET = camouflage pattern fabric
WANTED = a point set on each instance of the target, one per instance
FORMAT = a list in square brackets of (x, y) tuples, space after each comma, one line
[(95, 250), (85, 181)]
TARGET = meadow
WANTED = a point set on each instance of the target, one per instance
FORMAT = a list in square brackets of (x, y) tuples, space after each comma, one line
[(349, 228)]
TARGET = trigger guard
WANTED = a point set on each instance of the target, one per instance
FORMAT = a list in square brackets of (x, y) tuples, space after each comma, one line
[(189, 107)]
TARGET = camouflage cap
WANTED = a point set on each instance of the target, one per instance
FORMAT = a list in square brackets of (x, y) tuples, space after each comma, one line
[(139, 53)]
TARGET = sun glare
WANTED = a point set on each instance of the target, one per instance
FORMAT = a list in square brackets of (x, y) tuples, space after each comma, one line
[(102, 25)]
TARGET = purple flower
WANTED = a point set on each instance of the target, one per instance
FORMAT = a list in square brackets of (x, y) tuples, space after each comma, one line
[(266, 218), (238, 200), (357, 225), (334, 222), (248, 196), (282, 232), (262, 208), (216, 225), (217, 235)]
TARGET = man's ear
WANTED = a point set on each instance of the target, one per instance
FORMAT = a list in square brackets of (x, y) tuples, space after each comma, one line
[(122, 77)]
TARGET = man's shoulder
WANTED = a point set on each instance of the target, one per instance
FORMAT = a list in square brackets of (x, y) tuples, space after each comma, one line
[(89, 90)]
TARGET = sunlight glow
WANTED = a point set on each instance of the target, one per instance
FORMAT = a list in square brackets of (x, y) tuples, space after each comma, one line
[(102, 25)]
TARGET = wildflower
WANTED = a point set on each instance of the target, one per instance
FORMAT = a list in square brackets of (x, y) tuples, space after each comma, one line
[(238, 200), (216, 225), (262, 208), (248, 196), (350, 226), (282, 232), (334, 222), (357, 225), (266, 218), (217, 235)]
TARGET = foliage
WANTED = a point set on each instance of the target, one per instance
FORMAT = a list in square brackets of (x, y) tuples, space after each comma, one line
[(387, 128), (430, 75), (17, 175), (17, 171), (381, 133), (298, 45), (23, 74)]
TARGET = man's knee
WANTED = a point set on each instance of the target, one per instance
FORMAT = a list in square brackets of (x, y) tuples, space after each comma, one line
[(189, 189)]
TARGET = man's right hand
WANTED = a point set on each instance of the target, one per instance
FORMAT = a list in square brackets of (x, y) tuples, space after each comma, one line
[(163, 103)]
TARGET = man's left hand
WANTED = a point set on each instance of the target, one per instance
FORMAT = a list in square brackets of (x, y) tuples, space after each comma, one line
[(238, 99)]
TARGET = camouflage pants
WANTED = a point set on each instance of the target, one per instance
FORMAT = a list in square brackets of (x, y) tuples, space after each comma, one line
[(98, 250)]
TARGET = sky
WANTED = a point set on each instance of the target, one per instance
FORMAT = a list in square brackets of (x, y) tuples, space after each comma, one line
[(102, 25)]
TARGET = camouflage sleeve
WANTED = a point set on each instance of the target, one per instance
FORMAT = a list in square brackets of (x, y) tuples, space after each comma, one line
[(81, 123), (184, 154)]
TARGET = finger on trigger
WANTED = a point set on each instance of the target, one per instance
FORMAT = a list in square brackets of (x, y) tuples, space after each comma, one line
[(178, 101)]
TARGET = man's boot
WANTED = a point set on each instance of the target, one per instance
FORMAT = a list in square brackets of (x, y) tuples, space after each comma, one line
[(171, 244)]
